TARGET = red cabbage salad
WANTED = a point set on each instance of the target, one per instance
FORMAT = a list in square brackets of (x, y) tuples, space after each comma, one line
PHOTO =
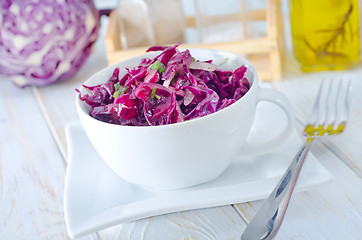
[(170, 88)]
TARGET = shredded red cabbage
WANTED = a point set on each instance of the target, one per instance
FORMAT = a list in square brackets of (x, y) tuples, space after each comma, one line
[(165, 90)]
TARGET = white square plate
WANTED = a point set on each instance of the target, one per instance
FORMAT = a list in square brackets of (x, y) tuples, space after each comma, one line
[(96, 198)]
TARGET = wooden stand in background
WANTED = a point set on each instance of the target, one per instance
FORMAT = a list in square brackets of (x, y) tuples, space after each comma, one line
[(265, 53)]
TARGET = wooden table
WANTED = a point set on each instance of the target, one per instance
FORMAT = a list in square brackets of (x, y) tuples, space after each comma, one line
[(33, 162)]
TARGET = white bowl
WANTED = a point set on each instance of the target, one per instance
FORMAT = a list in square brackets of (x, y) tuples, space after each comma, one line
[(183, 154)]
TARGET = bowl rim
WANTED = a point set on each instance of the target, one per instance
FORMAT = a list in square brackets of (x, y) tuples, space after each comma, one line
[(81, 106)]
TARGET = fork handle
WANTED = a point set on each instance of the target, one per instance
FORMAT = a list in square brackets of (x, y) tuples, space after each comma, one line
[(268, 219)]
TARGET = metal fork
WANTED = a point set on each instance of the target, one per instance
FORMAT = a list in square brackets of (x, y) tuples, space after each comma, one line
[(329, 117)]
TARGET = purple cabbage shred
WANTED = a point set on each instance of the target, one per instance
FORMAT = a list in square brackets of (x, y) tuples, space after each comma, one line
[(165, 90)]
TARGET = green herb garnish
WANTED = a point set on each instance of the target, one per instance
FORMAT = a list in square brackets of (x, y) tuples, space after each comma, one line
[(119, 91), (153, 93), (158, 66), (124, 89), (116, 86), (116, 94)]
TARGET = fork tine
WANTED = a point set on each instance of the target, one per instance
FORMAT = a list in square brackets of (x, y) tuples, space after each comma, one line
[(319, 113), (343, 106), (314, 115), (326, 116), (334, 93), (329, 106)]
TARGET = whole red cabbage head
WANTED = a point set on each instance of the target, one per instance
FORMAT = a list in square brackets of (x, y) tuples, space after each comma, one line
[(43, 41)]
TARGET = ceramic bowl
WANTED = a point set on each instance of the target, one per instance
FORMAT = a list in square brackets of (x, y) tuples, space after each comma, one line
[(184, 154)]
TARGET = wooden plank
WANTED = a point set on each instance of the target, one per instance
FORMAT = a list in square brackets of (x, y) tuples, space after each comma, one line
[(57, 101), (332, 211), (112, 36), (253, 15), (31, 170), (210, 223), (257, 15), (260, 45), (274, 34), (261, 61)]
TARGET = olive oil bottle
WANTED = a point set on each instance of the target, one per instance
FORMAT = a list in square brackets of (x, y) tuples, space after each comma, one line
[(325, 34)]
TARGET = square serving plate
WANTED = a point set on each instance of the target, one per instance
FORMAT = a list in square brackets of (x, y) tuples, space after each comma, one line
[(96, 198)]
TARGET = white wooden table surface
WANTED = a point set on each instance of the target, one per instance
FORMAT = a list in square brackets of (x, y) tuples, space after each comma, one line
[(33, 162)]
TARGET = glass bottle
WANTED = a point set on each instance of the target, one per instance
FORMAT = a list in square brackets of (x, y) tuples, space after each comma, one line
[(325, 34)]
